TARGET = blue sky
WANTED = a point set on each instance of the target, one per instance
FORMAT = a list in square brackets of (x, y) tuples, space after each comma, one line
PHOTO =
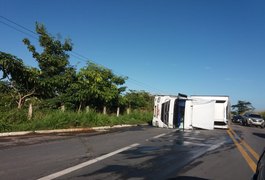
[(196, 47)]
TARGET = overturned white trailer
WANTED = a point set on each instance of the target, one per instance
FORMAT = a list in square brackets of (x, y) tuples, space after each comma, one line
[(205, 112)]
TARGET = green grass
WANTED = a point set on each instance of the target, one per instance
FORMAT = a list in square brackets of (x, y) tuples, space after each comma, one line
[(16, 120)]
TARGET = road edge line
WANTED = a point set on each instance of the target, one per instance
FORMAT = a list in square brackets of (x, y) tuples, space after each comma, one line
[(87, 163), (70, 130)]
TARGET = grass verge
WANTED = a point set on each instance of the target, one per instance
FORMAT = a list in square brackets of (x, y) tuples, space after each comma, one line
[(16, 120)]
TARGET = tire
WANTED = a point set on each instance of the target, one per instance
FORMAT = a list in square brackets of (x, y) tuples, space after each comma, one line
[(244, 122)]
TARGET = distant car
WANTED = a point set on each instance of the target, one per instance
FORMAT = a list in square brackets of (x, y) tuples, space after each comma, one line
[(237, 118), (260, 171), (252, 119)]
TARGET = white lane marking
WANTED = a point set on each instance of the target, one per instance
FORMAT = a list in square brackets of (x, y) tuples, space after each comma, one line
[(196, 155), (158, 136), (215, 146), (195, 144), (194, 138), (87, 163)]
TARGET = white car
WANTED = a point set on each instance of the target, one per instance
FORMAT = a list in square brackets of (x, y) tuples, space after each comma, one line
[(253, 119)]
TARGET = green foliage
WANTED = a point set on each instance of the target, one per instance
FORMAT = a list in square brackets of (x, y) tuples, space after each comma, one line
[(242, 107), (139, 100), (10, 118), (20, 81), (6, 99), (21, 77), (55, 84), (95, 84), (55, 72), (16, 120)]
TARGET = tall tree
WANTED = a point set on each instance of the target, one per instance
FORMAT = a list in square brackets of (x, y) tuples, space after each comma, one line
[(111, 87), (56, 73), (21, 80), (242, 107), (53, 75), (96, 84)]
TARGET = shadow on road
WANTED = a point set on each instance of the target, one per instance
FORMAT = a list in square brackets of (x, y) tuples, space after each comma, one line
[(160, 158), (262, 135)]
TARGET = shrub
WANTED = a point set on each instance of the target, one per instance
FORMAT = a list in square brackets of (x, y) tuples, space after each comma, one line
[(16, 120)]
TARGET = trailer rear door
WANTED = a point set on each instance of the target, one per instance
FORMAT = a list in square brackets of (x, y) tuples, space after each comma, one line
[(203, 115)]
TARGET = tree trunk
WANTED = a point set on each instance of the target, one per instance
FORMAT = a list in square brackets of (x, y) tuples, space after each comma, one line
[(30, 112), (21, 100), (19, 103), (118, 111), (104, 110)]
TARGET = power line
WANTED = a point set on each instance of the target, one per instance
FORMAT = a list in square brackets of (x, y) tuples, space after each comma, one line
[(23, 27), (17, 29), (130, 78), (73, 53)]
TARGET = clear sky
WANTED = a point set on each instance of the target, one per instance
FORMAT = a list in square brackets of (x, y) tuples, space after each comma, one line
[(195, 47)]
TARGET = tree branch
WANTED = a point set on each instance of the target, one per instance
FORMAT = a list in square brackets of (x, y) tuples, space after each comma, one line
[(29, 94)]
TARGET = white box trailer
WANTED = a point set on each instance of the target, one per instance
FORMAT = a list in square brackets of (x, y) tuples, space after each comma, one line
[(205, 112)]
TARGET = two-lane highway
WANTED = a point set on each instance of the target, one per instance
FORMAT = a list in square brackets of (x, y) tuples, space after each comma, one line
[(236, 160), (139, 152)]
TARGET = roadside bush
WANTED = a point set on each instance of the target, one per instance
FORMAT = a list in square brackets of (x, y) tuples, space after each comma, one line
[(16, 120), (14, 116), (11, 118), (5, 126), (138, 117)]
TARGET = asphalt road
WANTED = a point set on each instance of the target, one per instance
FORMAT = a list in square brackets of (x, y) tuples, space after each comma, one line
[(227, 162), (133, 153)]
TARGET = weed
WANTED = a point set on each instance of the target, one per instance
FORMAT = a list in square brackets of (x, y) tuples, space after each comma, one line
[(16, 120)]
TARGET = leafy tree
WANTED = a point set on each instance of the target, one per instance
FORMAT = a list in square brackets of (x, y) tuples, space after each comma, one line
[(242, 107), (119, 102), (110, 88), (55, 72), (52, 78), (21, 80), (6, 100), (96, 85), (139, 100), (55, 81)]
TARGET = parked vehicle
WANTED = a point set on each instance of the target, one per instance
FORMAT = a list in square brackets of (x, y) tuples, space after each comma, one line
[(252, 119), (237, 119)]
